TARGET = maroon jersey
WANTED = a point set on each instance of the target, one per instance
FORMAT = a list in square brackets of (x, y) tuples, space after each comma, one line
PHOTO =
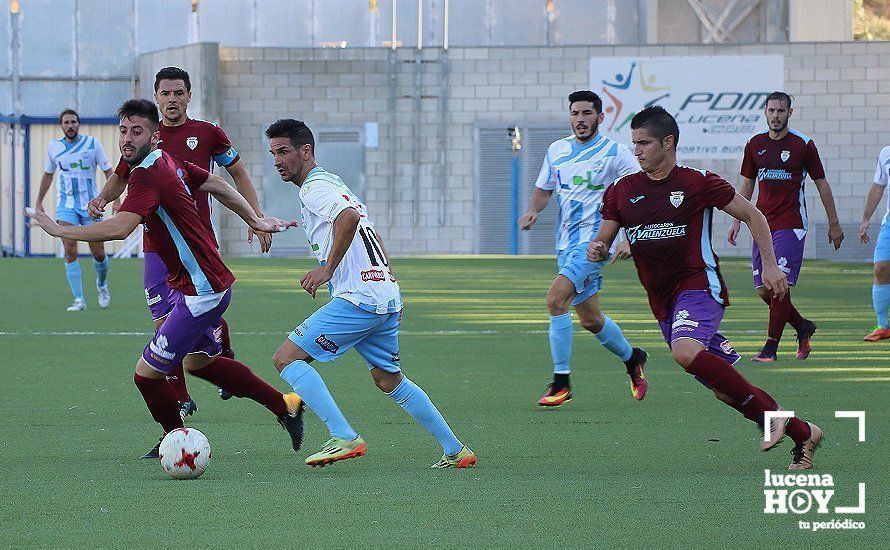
[(200, 143), (668, 225), (161, 190), (780, 167)]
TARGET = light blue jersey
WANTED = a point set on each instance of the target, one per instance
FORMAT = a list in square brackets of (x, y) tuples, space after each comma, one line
[(580, 173), (882, 177), (76, 162)]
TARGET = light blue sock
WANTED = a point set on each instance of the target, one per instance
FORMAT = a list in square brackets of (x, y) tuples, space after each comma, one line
[(101, 271), (417, 403), (308, 384), (880, 298), (561, 333), (613, 339), (72, 271)]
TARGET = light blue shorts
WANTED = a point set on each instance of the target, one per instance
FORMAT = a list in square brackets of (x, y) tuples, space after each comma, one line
[(882, 247), (585, 275), (72, 216), (340, 325)]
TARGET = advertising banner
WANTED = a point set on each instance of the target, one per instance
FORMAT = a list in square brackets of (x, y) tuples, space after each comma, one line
[(718, 101)]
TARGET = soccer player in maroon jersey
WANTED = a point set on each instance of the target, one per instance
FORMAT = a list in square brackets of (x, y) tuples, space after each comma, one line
[(666, 212), (163, 194), (200, 143), (780, 160)]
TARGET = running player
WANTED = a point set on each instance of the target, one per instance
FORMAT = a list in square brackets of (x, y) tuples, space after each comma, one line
[(880, 290), (780, 160), (202, 144), (580, 167), (666, 211), (364, 310), (76, 157), (161, 195)]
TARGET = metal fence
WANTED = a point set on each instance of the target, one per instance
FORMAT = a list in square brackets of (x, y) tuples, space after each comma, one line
[(23, 143)]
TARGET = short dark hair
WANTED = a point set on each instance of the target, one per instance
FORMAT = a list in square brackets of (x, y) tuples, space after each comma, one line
[(142, 108), (69, 112), (295, 130), (587, 95), (173, 73), (659, 122), (781, 96)]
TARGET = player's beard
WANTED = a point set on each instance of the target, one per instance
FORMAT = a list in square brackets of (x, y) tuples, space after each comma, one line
[(782, 126), (70, 135), (140, 155), (593, 129)]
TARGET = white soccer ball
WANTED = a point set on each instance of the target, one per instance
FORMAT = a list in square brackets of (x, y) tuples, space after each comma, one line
[(184, 453)]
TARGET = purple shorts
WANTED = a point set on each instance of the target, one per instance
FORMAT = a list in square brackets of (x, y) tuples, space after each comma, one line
[(192, 326), (157, 293), (789, 254), (697, 315)]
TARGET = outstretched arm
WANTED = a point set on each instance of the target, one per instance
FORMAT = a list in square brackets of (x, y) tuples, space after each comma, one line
[(247, 190), (345, 226), (773, 278), (115, 229), (232, 199), (835, 233)]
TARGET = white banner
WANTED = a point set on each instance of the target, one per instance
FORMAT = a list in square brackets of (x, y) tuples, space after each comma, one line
[(718, 101)]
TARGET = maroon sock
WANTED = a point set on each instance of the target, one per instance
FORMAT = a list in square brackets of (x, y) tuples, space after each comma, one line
[(797, 430), (749, 400), (794, 317), (161, 401), (226, 340), (237, 378), (176, 378), (779, 311)]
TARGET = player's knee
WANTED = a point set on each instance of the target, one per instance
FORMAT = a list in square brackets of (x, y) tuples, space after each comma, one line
[(764, 294), (386, 381), (684, 354), (557, 304), (594, 323), (287, 353), (70, 252), (882, 273), (280, 360)]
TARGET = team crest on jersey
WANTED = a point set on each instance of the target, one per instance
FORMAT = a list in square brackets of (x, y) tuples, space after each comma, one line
[(192, 142), (785, 156), (676, 198)]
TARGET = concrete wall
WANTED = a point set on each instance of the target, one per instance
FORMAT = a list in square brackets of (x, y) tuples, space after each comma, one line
[(841, 90)]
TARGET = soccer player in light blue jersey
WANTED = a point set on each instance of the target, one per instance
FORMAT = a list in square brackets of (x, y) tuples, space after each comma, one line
[(364, 311), (579, 168), (76, 157), (880, 290)]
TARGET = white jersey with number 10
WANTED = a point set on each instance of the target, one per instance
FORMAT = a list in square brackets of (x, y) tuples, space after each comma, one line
[(363, 276)]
